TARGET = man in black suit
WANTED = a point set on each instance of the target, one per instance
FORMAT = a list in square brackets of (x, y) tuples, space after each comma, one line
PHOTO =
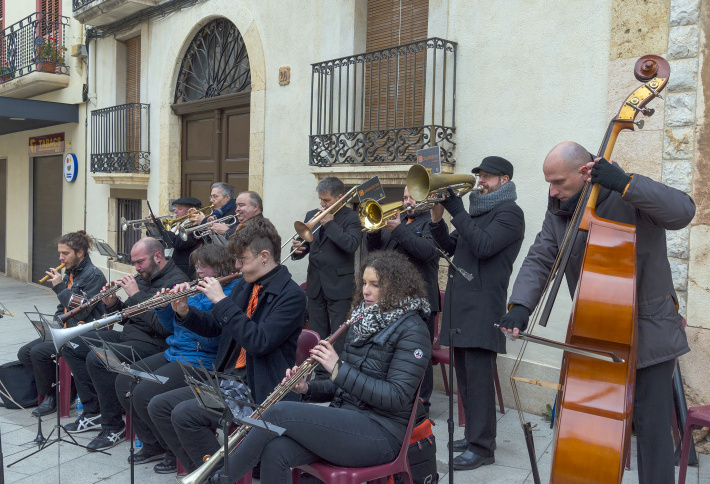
[(183, 248), (331, 264), (408, 233)]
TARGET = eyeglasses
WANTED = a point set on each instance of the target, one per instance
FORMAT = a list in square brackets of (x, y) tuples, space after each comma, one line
[(487, 176), (244, 258)]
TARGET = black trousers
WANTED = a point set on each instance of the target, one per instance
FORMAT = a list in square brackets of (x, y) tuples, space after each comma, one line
[(39, 357), (475, 368), (428, 381), (97, 385), (314, 433), (144, 392), (653, 411), (325, 316), (186, 428)]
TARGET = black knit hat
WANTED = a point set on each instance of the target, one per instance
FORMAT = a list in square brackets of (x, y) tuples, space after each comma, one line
[(495, 165)]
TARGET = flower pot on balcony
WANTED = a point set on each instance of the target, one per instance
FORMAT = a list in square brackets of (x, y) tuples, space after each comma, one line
[(5, 74), (47, 66)]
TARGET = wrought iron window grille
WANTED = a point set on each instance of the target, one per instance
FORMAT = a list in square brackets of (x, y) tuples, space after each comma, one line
[(216, 63), (130, 209), (382, 106), (77, 4), (33, 44), (120, 139)]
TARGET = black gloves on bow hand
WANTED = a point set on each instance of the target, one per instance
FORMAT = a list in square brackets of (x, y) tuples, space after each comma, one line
[(453, 204), (517, 317), (610, 176)]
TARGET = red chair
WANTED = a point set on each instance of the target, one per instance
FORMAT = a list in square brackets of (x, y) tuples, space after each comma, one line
[(698, 417), (307, 340), (330, 474), (440, 356)]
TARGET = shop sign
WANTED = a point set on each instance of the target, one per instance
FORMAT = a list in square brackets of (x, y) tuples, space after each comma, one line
[(47, 145)]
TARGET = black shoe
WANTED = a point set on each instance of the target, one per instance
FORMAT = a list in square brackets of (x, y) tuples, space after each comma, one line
[(84, 423), (469, 460), (167, 466), (462, 445), (147, 454), (106, 439), (47, 407)]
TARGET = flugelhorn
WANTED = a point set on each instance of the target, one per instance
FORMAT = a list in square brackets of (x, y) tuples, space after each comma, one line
[(58, 268), (183, 220), (374, 217), (211, 462), (305, 230), (201, 231), (424, 187), (62, 336)]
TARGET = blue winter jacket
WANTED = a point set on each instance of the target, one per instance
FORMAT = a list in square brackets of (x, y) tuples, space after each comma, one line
[(183, 344)]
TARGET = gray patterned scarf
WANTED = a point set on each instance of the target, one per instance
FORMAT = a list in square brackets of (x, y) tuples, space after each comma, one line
[(371, 320), (480, 204)]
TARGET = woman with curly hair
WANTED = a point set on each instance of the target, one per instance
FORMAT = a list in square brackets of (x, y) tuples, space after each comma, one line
[(371, 388)]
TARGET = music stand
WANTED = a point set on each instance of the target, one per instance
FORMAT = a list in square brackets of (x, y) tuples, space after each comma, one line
[(42, 324), (107, 354), (207, 388), (5, 311), (155, 225), (106, 250)]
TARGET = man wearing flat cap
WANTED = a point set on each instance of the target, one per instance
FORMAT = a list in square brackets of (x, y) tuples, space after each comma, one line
[(183, 248), (485, 243)]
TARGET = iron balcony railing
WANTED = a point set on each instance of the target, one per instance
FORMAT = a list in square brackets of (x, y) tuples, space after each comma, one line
[(77, 4), (382, 106), (35, 43), (120, 139)]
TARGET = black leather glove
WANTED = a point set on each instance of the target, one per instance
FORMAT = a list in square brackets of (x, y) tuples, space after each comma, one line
[(517, 317), (610, 176), (453, 204)]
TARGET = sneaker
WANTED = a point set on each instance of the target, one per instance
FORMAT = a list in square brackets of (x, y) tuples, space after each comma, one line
[(84, 423), (106, 439), (167, 466), (148, 453)]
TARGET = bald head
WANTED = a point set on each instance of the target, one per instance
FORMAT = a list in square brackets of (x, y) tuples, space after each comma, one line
[(148, 257), (565, 169)]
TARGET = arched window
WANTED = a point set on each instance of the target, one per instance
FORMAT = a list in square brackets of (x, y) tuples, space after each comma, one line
[(216, 63)]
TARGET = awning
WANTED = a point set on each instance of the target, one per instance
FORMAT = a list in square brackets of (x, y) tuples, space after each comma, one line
[(24, 114)]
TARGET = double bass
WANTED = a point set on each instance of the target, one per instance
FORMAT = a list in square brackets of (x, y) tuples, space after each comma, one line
[(595, 395)]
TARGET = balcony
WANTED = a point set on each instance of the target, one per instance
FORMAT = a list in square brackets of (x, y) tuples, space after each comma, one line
[(380, 107), (104, 12), (120, 149), (32, 56)]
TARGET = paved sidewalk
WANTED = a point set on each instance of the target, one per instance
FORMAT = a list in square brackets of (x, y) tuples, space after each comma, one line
[(81, 467)]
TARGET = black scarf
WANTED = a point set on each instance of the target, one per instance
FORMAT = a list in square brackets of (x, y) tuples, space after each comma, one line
[(370, 320)]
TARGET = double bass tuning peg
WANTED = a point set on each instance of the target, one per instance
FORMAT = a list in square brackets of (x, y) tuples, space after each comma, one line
[(639, 123)]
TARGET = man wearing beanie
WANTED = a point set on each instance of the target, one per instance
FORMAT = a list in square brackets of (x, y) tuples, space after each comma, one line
[(485, 242)]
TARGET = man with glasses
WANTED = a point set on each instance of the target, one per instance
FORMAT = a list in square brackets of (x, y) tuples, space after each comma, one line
[(143, 333), (259, 323), (485, 243), (222, 196)]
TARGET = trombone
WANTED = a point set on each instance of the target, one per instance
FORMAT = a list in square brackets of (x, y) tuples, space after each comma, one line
[(429, 189), (306, 230), (201, 231)]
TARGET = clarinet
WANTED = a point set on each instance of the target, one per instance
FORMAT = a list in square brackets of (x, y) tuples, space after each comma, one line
[(210, 463)]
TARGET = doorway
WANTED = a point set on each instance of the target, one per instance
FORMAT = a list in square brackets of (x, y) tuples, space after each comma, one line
[(47, 176)]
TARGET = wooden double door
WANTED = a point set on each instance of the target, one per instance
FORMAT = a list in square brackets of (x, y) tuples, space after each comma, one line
[(215, 145)]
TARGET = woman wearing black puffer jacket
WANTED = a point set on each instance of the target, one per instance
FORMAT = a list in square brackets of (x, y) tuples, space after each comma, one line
[(372, 384)]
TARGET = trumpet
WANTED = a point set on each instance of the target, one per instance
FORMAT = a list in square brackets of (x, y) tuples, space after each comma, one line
[(62, 336), (210, 462), (429, 189), (184, 219), (58, 268), (140, 224), (201, 231), (374, 217)]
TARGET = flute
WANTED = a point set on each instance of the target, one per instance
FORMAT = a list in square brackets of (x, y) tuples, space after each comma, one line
[(59, 268)]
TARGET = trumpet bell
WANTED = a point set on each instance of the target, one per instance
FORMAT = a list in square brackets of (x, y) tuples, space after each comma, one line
[(374, 216)]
